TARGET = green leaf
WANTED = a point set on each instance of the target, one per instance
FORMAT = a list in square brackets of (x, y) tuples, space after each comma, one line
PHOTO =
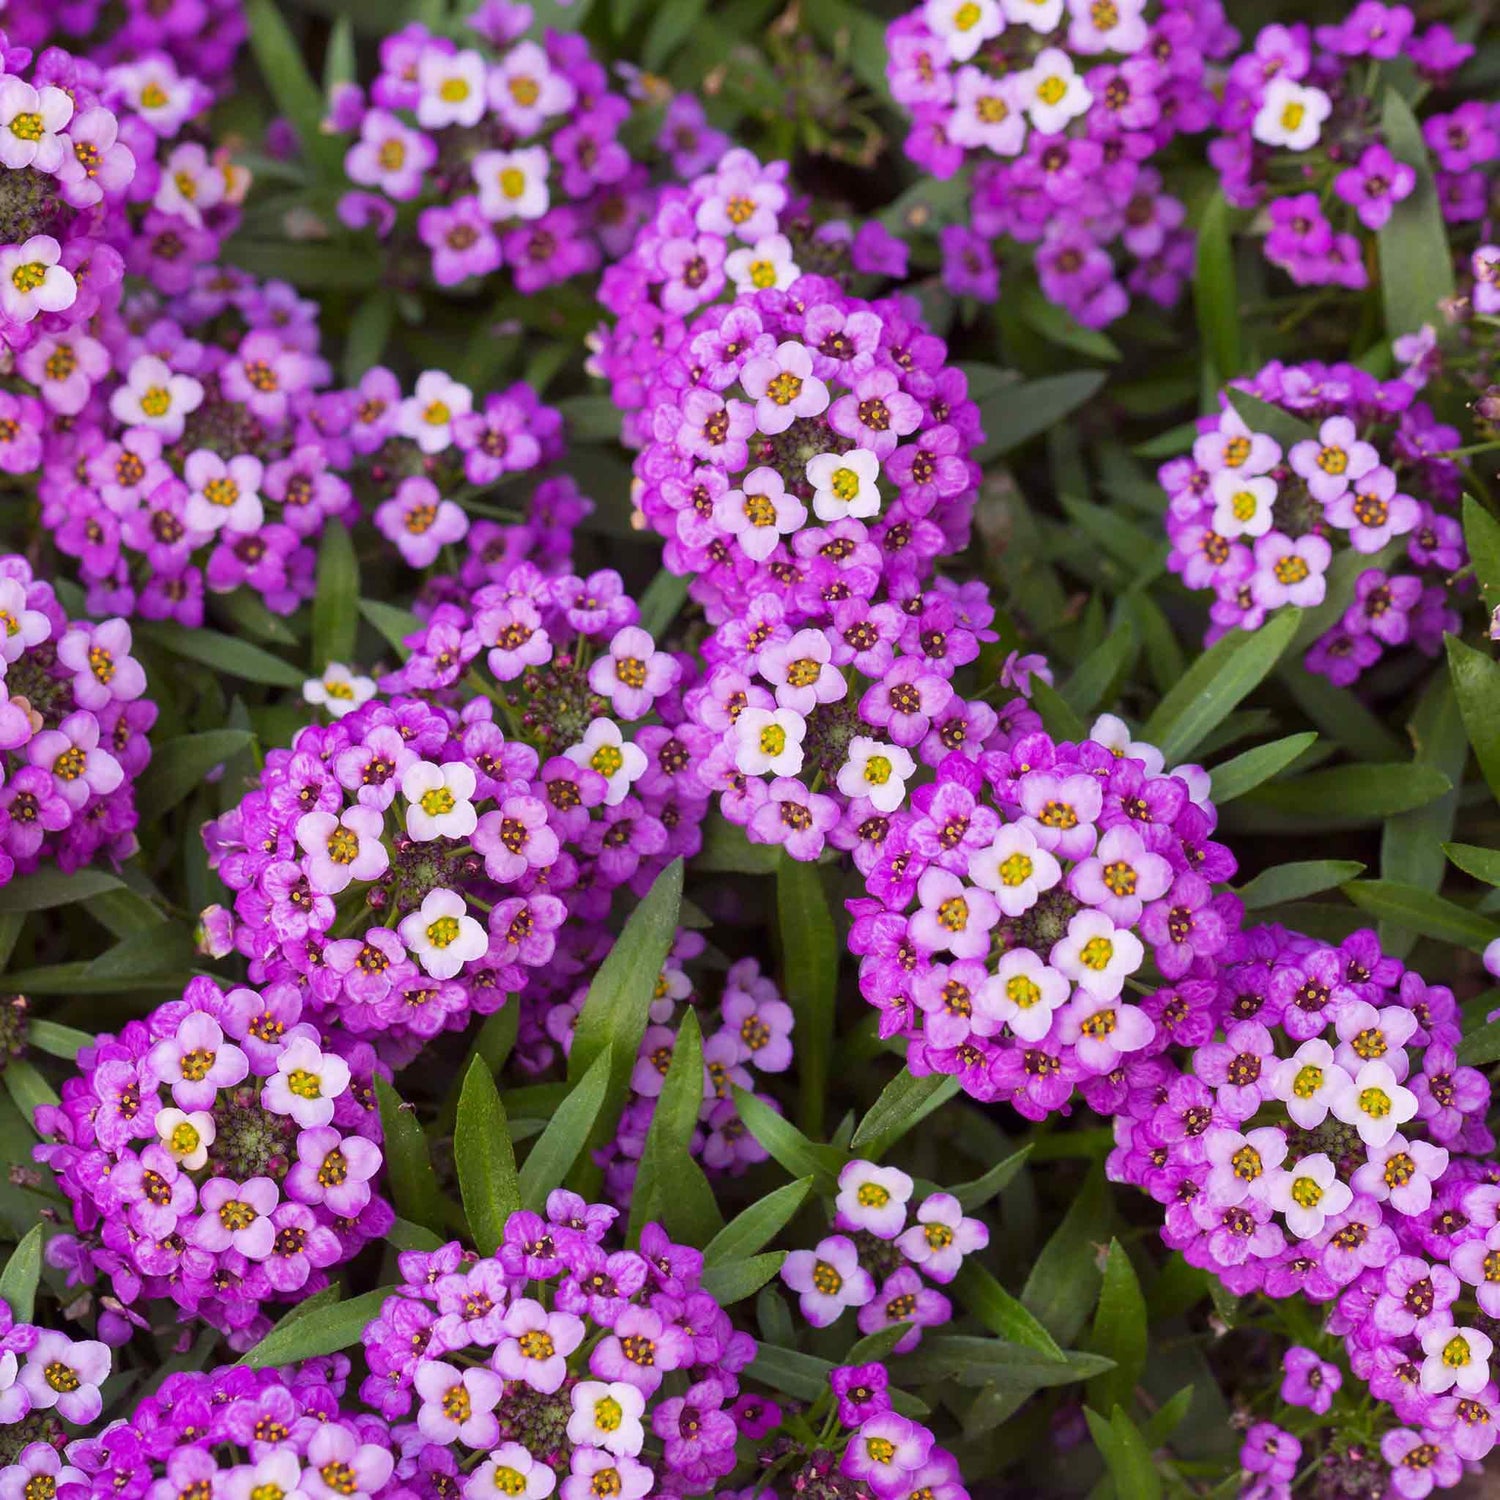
[(1061, 722), (49, 888), (1220, 679), (1215, 292), (280, 59), (55, 1040), (970, 1361), (1482, 537), (748, 1231), (1476, 681), (339, 63), (369, 331), (786, 1143), (672, 23), (976, 1194), (222, 652), (179, 767), (613, 1018), (404, 1235), (312, 1330), (1058, 326), (1482, 864), (1119, 1332), (1097, 672), (726, 850), (551, 1158), (1481, 1047), (28, 1089), (733, 1280), (805, 1378), (669, 1185), (394, 624), (903, 1103), (1266, 417), (664, 597), (1416, 265), (1126, 1455), (1000, 1312), (1362, 793), (485, 1159), (148, 953), (1236, 777), (335, 609), (22, 1275), (1022, 410), (1297, 881), (1423, 912), (1065, 1279), (414, 1189), (810, 966)]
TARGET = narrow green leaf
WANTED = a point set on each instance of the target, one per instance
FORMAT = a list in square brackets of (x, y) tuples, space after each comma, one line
[(1476, 681), (551, 1158), (1085, 689), (672, 23), (1249, 769), (1215, 291), (49, 888), (726, 851), (976, 1194), (414, 1189), (1220, 679), (280, 59), (178, 768), (222, 652), (810, 965), (1297, 881), (1354, 794), (1126, 1455), (732, 1281), (148, 953), (339, 63), (1482, 1047), (664, 597), (1482, 864), (1065, 1278), (22, 1275), (1338, 714), (1425, 913), (28, 1089), (903, 1103), (485, 1159), (753, 1228), (308, 1332), (1416, 265), (404, 1235), (970, 1361), (394, 624), (1119, 1332), (1061, 722), (1022, 410), (1167, 1418), (335, 609), (1058, 326), (786, 1143), (1482, 537), (1001, 1313), (1274, 421), (55, 1040)]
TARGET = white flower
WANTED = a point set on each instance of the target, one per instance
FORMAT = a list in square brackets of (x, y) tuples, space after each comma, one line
[(32, 281), (1114, 734), (1016, 868), (1096, 955), (759, 514), (1053, 92), (154, 90), (1242, 503), (452, 86), (1308, 1082), (426, 416), (1022, 993), (876, 770), (1374, 1103), (524, 89), (1041, 15), (844, 484), (1107, 26), (442, 936), (769, 739), (31, 125), (338, 690), (155, 396), (605, 750), (873, 1198), (438, 797), (964, 25), (223, 496), (1307, 1194), (768, 264), (186, 1137), (607, 1414), (1290, 115), (1455, 1357), (513, 184)]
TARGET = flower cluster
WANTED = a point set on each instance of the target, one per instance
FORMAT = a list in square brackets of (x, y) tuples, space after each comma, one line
[(877, 1263), (1302, 139), (73, 730), (731, 231), (507, 156), (46, 1378), (175, 464), (1258, 522), (414, 453), (63, 169), (748, 1030), (1016, 898), (408, 865), (1324, 1142), (1063, 107), (230, 1431), (560, 1363), (221, 1153)]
